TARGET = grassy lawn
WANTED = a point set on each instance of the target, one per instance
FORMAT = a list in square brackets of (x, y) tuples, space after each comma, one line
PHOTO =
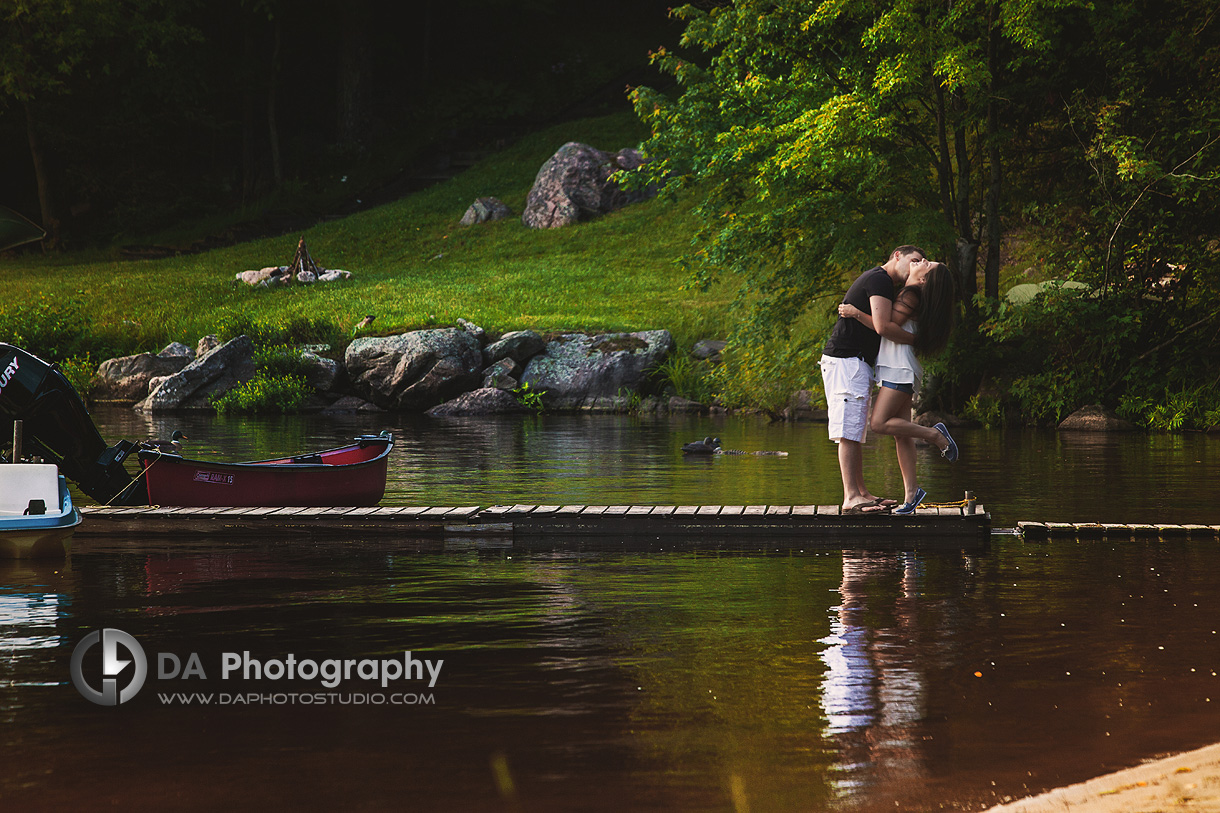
[(413, 266)]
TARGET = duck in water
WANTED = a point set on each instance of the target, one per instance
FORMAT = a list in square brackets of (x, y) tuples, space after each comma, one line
[(712, 446), (705, 446), (171, 446)]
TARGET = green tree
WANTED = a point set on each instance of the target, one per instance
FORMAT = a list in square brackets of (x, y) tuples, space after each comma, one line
[(1147, 123), (820, 134)]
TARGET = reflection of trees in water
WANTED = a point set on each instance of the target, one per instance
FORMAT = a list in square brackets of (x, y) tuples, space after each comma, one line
[(577, 459), (879, 655)]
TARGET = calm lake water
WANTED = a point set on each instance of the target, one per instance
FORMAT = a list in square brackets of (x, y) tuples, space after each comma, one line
[(725, 675)]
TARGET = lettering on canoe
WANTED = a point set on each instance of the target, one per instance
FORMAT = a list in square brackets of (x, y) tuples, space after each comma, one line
[(213, 477)]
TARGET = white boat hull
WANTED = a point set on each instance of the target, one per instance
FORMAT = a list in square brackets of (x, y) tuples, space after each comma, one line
[(35, 535)]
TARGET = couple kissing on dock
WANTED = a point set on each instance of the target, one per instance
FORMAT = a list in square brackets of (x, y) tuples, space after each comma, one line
[(877, 338)]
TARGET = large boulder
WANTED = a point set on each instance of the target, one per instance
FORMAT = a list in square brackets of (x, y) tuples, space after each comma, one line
[(321, 373), (349, 404), (414, 371), (801, 407), (574, 184), (578, 371), (1095, 418), (505, 374), (709, 350), (194, 385), (519, 345), (126, 378), (206, 344), (484, 210), (486, 401)]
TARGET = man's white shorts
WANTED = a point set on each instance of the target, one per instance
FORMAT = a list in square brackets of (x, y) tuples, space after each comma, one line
[(848, 384)]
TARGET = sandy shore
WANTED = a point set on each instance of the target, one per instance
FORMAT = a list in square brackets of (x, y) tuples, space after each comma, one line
[(1186, 782)]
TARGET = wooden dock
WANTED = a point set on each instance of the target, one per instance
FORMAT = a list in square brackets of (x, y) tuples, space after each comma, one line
[(1043, 531), (815, 524)]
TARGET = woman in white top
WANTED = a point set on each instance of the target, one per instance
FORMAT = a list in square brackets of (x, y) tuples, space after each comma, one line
[(928, 298)]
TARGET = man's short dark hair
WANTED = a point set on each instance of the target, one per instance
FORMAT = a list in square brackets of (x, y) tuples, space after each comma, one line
[(905, 250)]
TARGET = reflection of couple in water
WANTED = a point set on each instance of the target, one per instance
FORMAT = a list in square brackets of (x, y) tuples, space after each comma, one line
[(877, 338)]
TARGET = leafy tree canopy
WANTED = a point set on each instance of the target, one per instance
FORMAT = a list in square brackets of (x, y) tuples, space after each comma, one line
[(817, 135)]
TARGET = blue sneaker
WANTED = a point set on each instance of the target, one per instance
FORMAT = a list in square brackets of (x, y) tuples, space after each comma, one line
[(909, 507), (949, 454)]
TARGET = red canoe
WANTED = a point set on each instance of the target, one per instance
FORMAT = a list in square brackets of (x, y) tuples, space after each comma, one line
[(348, 475)]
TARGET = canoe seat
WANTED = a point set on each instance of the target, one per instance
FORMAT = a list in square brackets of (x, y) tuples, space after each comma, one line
[(22, 483)]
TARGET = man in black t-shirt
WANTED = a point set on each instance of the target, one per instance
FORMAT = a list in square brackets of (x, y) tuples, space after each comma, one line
[(847, 370)]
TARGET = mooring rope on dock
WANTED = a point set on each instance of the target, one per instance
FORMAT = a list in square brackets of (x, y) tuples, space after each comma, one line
[(954, 504), (133, 480)]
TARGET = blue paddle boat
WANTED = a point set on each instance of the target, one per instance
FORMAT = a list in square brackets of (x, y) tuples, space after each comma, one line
[(36, 512)]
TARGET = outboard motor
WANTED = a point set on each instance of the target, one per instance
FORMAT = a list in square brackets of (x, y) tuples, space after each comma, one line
[(57, 426)]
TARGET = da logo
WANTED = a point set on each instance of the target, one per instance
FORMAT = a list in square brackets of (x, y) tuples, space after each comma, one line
[(112, 667)]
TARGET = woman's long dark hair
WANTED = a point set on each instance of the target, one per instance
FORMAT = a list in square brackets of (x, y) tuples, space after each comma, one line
[(937, 311)]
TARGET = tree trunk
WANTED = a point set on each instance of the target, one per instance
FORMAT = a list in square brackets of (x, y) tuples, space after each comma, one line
[(249, 119), (967, 245), (355, 75), (991, 215), (273, 134), (46, 202), (991, 271), (967, 261), (944, 170)]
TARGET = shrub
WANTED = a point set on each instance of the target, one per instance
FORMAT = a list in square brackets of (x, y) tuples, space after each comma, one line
[(687, 377), (263, 394), (766, 373), (529, 398), (79, 372), (1183, 410), (280, 361), (986, 409)]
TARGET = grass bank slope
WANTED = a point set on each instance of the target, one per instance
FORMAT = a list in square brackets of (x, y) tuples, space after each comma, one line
[(413, 267)]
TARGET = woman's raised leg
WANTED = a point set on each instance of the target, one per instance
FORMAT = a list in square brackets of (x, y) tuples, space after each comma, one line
[(892, 416)]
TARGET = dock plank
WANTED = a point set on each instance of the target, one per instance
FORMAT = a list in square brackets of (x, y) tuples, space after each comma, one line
[(1035, 531), (407, 510), (701, 524), (287, 511)]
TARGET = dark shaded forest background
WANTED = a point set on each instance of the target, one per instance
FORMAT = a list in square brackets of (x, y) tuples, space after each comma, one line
[(146, 113)]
